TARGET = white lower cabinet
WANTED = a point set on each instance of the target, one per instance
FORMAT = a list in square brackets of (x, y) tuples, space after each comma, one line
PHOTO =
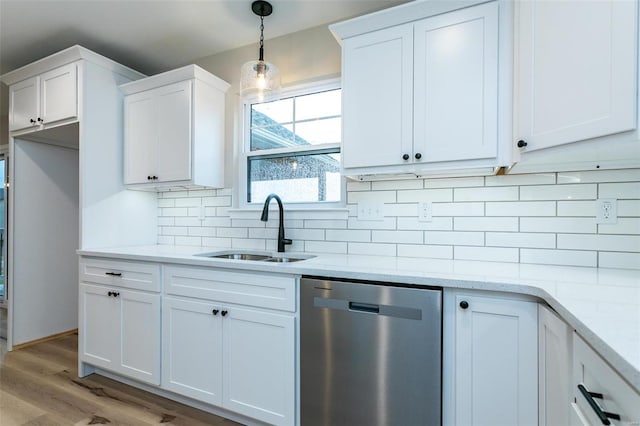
[(120, 331), (240, 358), (490, 360), (554, 368), (601, 396)]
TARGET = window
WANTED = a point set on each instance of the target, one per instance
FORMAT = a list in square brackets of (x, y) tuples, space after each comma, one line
[(292, 147)]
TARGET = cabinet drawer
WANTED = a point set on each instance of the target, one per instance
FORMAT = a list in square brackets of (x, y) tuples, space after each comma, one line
[(244, 288), (133, 275), (618, 397)]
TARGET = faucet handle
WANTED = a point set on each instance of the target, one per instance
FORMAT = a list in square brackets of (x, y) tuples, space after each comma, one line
[(286, 241)]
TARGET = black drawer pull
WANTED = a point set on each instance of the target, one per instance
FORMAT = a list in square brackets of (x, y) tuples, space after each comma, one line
[(364, 307), (114, 274), (602, 415)]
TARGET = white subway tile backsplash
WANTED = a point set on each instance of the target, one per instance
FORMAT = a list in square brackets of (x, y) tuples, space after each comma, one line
[(559, 257), (559, 192), (532, 179), (520, 239), (619, 260), (420, 195), (325, 247), (427, 251), (596, 176), (620, 191), (490, 254), (402, 237), (577, 208), (510, 218), (558, 224), (437, 224), (376, 196), (397, 184), (386, 223), (358, 186), (628, 208), (506, 193), (622, 226), (324, 224), (348, 235), (454, 238), (626, 243), (485, 223), (454, 182), (458, 209), (521, 208), (372, 249)]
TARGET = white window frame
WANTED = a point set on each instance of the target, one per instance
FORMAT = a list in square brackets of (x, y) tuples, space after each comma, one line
[(245, 151)]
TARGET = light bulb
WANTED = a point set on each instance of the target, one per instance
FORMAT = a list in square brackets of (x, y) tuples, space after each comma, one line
[(261, 82)]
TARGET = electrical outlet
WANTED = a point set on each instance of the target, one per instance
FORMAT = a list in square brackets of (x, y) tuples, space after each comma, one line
[(425, 211), (606, 210), (370, 211)]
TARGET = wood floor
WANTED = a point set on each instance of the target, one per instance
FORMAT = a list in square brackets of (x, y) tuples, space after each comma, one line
[(39, 385)]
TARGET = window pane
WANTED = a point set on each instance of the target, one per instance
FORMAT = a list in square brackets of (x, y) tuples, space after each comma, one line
[(328, 130), (270, 113), (296, 179), (318, 105), (272, 137)]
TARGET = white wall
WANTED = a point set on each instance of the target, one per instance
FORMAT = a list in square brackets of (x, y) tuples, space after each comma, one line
[(45, 265)]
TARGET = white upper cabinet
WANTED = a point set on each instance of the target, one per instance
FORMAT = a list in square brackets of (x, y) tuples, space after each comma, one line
[(422, 96), (174, 130), (576, 74), (44, 100), (377, 97)]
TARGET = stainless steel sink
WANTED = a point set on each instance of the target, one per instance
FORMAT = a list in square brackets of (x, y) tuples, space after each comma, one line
[(254, 256)]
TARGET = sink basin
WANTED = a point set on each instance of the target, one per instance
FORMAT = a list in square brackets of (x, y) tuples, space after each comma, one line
[(284, 259), (254, 256), (241, 256)]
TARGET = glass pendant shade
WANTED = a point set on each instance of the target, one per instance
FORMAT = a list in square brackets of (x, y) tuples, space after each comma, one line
[(259, 80)]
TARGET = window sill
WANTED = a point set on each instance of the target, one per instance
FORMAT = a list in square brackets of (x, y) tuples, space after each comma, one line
[(325, 213)]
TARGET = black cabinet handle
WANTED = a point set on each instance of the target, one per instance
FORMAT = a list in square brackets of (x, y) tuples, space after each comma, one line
[(114, 274), (215, 312), (110, 293), (149, 178), (464, 304), (602, 415), (224, 313), (32, 121), (155, 178), (418, 156), (40, 120), (521, 143), (405, 157)]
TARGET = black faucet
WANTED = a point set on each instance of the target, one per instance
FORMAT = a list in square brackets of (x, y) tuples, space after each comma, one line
[(282, 241)]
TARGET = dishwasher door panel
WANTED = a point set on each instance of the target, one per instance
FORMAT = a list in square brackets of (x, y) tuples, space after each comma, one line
[(370, 354)]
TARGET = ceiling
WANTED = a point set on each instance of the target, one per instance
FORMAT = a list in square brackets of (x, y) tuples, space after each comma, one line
[(152, 36)]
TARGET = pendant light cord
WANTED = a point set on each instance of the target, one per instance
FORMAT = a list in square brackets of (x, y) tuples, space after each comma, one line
[(261, 37)]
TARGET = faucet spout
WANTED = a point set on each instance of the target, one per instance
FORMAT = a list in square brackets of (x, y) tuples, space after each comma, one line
[(282, 241)]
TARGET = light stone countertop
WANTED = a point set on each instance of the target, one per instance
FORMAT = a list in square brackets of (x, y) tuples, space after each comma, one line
[(602, 305)]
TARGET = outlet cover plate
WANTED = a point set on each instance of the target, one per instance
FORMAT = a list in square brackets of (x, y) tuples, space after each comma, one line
[(606, 210), (370, 210), (425, 211)]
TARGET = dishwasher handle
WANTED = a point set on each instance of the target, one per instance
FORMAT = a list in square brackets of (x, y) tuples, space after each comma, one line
[(364, 307)]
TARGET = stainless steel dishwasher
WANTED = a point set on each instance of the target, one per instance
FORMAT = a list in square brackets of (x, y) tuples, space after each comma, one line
[(370, 354)]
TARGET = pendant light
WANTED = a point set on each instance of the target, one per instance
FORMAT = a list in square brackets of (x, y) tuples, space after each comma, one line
[(260, 79)]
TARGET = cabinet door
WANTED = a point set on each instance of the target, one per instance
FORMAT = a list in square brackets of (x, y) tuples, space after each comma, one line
[(576, 70), (24, 101), (140, 335), (554, 358), (99, 326), (456, 85), (259, 365), (377, 98), (496, 362), (191, 349), (174, 132), (59, 94), (596, 376), (139, 138)]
